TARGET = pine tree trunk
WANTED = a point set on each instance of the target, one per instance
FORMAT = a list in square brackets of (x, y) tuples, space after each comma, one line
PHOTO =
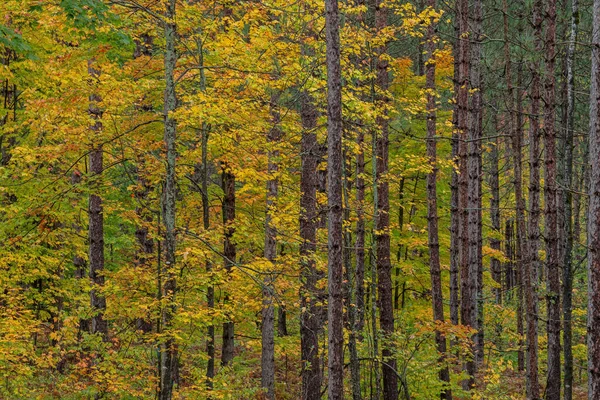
[(550, 200), (530, 276), (432, 214), (335, 312), (359, 243), (310, 317), (382, 236), (593, 265)]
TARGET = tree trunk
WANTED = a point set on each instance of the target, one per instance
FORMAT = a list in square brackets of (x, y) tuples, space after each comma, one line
[(550, 200), (432, 214), (229, 253), (270, 251), (531, 271), (567, 200), (96, 217), (593, 266), (169, 352), (382, 236), (310, 317), (335, 312)]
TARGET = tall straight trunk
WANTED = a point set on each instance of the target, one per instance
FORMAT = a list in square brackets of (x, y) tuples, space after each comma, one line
[(359, 243), (335, 312), (96, 217), (520, 245), (474, 181), (310, 317), (382, 236), (494, 182), (350, 284), (204, 176), (530, 278), (432, 214), (550, 200), (454, 183), (593, 264), (567, 200), (270, 252), (210, 290), (168, 350), (229, 254), (468, 276)]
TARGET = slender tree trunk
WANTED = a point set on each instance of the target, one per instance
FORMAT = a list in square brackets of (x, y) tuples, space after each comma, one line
[(96, 217), (229, 254), (335, 312), (468, 270), (454, 183), (567, 200), (310, 317), (359, 244), (382, 236), (268, 311), (432, 214), (494, 182), (550, 200), (593, 265), (169, 351), (474, 184)]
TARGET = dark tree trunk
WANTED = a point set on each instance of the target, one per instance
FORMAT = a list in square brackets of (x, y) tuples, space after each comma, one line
[(567, 200), (229, 253), (550, 200), (335, 312), (530, 276), (593, 265), (96, 217), (359, 243), (310, 296), (382, 236), (432, 214)]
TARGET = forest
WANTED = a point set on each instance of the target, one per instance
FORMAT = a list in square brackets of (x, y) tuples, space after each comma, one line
[(306, 199)]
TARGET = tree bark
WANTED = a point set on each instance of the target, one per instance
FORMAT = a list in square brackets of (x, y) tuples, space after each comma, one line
[(550, 199), (567, 200), (593, 264), (432, 214), (168, 350), (96, 216), (530, 276), (229, 254), (335, 312), (382, 235), (310, 317), (270, 252)]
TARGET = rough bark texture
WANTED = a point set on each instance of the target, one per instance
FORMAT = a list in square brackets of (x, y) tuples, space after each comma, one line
[(270, 252), (335, 312), (474, 181), (310, 317), (593, 265), (382, 235), (168, 350), (530, 275), (359, 243), (432, 214), (229, 254), (550, 200), (96, 217), (567, 199)]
